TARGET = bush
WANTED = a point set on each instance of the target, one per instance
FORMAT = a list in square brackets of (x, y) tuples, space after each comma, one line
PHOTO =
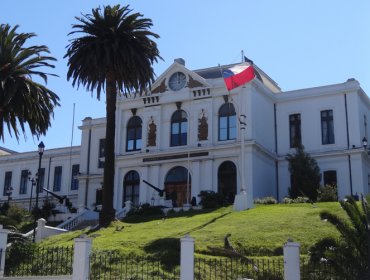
[(266, 200), (145, 210), (210, 199), (327, 193), (17, 213), (299, 199), (47, 209)]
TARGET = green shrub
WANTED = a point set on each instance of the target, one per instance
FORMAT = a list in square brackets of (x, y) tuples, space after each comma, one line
[(17, 213), (299, 199), (210, 199), (327, 193), (266, 200), (145, 210)]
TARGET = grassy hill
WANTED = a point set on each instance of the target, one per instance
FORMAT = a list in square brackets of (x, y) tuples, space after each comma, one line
[(261, 231)]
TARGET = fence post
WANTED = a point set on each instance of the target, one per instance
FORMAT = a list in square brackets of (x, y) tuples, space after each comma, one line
[(81, 259), (291, 261), (187, 258), (3, 242)]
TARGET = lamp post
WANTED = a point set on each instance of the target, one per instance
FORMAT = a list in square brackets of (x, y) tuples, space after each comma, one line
[(41, 148), (364, 143), (8, 192), (33, 183)]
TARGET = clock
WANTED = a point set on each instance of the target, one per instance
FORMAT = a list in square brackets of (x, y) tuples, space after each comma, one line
[(177, 81)]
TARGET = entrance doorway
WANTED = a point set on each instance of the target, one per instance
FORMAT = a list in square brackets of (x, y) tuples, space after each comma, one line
[(177, 187), (227, 180)]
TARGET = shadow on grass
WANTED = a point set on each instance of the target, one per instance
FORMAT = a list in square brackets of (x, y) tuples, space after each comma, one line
[(205, 224), (134, 219), (167, 250)]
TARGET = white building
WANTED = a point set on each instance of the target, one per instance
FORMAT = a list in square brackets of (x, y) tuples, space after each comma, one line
[(185, 137), (59, 171)]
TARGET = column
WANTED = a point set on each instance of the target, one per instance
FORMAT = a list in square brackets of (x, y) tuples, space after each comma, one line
[(81, 259), (291, 261), (187, 258)]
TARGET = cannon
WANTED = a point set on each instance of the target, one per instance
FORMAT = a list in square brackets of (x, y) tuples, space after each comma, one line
[(160, 192)]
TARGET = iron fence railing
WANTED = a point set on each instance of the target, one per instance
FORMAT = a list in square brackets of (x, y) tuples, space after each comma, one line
[(238, 268), (30, 260), (113, 265), (35, 261), (318, 271)]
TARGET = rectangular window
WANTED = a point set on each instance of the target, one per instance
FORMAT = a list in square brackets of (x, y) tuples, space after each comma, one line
[(24, 181), (223, 128), (57, 179), (232, 127), (327, 127), (41, 177), (295, 130), (74, 180), (101, 153), (7, 183), (330, 177)]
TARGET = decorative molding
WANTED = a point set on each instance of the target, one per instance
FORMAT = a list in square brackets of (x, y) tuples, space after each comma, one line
[(152, 134), (133, 111), (226, 98), (194, 83), (151, 100), (178, 105), (161, 88), (202, 127), (160, 158)]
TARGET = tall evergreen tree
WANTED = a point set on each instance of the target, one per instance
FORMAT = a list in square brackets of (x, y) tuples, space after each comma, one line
[(22, 100), (304, 174), (114, 53)]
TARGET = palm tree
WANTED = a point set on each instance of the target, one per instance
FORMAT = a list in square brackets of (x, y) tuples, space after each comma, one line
[(350, 254), (115, 52), (22, 100)]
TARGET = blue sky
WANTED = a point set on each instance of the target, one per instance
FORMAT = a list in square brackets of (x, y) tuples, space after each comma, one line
[(298, 43)]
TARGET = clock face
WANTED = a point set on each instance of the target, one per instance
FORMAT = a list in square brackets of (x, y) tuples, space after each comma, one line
[(177, 81)]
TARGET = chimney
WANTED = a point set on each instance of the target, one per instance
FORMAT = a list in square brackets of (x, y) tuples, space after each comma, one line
[(180, 61)]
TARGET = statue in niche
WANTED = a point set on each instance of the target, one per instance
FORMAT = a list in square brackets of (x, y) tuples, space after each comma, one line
[(152, 134), (202, 127)]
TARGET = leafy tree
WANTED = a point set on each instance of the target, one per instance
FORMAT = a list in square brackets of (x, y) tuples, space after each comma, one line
[(115, 52), (305, 174), (22, 100), (350, 254)]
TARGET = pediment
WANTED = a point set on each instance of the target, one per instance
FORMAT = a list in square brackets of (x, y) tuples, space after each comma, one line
[(193, 80)]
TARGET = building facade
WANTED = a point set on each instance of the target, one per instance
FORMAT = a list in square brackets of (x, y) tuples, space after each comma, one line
[(185, 136)]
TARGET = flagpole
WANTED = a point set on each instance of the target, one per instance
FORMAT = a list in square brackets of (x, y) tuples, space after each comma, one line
[(242, 122)]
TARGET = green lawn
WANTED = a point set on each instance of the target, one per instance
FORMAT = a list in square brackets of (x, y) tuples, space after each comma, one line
[(261, 231)]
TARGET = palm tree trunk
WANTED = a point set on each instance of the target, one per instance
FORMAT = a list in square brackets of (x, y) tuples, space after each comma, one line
[(107, 213)]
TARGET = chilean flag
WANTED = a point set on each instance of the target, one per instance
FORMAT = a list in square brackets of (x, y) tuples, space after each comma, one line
[(238, 75)]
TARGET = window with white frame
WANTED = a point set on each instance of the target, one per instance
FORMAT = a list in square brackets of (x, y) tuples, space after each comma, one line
[(226, 122), (327, 127)]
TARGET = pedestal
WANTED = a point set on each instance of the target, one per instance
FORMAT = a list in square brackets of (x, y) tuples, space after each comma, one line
[(242, 202)]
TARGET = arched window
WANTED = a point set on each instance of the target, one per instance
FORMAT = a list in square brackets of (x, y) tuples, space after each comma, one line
[(179, 128), (226, 122), (133, 142), (178, 186), (227, 180), (131, 187)]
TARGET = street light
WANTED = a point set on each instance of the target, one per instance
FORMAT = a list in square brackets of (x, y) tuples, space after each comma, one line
[(364, 143), (41, 148), (8, 192), (33, 183)]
